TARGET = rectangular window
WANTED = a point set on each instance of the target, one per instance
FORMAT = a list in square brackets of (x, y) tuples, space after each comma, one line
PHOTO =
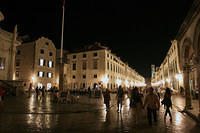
[(95, 54), (41, 51), (108, 55), (84, 65), (95, 75), (50, 54), (18, 52), (17, 63), (2, 63), (74, 66), (84, 55), (42, 62), (41, 74), (74, 56), (50, 64), (111, 67), (108, 65), (95, 64), (17, 74), (49, 75), (84, 76)]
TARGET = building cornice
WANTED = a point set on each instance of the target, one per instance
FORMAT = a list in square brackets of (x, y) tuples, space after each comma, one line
[(191, 15)]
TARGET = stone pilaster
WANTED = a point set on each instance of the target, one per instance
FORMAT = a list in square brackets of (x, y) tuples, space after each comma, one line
[(196, 62), (188, 99)]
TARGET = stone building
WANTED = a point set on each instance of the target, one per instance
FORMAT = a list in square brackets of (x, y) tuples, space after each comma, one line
[(8, 45), (188, 65), (95, 65), (168, 74), (35, 63)]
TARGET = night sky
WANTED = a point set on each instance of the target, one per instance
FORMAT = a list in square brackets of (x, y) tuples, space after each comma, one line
[(138, 31)]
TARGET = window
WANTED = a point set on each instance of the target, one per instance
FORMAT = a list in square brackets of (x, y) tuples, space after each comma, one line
[(108, 65), (74, 56), (41, 51), (41, 74), (50, 54), (49, 75), (111, 67), (17, 63), (84, 76), (84, 55), (108, 55), (84, 86), (17, 74), (42, 62), (2, 63), (95, 54), (47, 43), (50, 64), (74, 66), (95, 64), (95, 75), (18, 52), (84, 65), (73, 76)]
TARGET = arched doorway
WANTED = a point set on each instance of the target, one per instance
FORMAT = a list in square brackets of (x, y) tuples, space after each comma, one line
[(185, 57)]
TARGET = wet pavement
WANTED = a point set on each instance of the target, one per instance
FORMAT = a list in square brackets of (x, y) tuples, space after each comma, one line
[(27, 115)]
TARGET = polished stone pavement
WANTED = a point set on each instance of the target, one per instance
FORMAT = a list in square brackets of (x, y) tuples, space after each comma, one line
[(28, 115)]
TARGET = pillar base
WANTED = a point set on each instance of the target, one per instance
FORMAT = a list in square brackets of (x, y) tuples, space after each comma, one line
[(189, 107)]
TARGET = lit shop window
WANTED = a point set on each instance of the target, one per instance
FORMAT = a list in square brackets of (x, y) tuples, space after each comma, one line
[(42, 62), (2, 63), (48, 86), (41, 74), (49, 75), (50, 64)]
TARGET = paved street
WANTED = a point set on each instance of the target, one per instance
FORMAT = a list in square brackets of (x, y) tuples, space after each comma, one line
[(23, 115)]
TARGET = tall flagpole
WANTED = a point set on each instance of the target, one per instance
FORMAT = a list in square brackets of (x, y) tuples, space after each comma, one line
[(63, 19), (61, 69)]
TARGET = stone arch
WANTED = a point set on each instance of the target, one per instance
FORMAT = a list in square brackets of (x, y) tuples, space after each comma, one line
[(196, 43), (186, 51)]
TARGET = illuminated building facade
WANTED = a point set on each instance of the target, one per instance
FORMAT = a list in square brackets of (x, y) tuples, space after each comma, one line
[(188, 57), (8, 45), (169, 74), (96, 65), (35, 63)]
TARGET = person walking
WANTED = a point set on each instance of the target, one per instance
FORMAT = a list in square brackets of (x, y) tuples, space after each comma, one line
[(137, 104), (153, 104), (29, 90), (89, 92), (120, 98), (1, 95), (106, 96), (37, 92), (167, 103), (43, 91)]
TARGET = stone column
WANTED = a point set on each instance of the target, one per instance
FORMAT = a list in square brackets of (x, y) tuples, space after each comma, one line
[(196, 62), (188, 99)]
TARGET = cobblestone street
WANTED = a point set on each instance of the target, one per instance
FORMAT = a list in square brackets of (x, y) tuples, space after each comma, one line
[(27, 115)]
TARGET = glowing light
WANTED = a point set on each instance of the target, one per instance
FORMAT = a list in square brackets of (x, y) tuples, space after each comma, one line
[(33, 79), (168, 80), (118, 82), (105, 80), (179, 77), (126, 83), (132, 83)]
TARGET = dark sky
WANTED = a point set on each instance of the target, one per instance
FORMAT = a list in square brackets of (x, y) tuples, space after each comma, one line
[(138, 31)]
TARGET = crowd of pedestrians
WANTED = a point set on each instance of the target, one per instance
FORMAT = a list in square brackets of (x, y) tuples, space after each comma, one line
[(147, 99)]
